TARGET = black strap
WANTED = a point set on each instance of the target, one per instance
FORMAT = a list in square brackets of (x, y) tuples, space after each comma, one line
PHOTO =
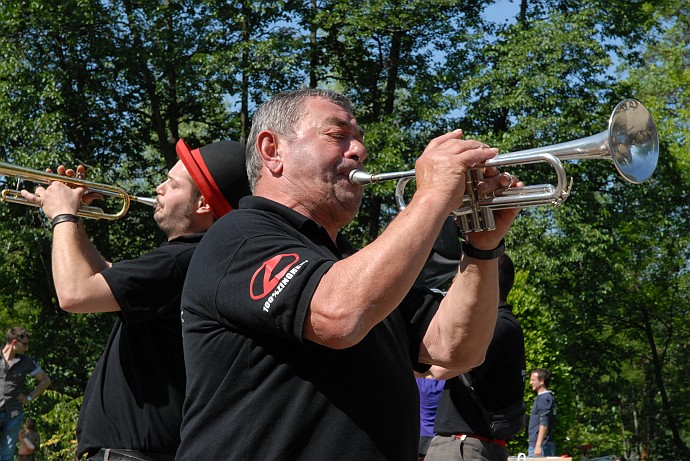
[(466, 378), (485, 255)]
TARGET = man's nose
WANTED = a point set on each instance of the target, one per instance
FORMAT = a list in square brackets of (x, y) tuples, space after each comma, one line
[(161, 188), (357, 151)]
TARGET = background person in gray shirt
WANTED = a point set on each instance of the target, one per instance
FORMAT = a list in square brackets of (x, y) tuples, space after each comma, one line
[(15, 366)]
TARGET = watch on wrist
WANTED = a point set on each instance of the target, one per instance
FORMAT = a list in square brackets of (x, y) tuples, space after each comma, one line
[(485, 255)]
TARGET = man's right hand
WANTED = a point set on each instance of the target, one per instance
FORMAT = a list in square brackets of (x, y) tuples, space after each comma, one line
[(441, 171), (58, 197), (80, 173), (441, 168)]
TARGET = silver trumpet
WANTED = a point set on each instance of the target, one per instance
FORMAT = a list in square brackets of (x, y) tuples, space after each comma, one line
[(631, 142)]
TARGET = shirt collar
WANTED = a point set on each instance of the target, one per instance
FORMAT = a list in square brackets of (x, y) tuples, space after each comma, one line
[(188, 238), (304, 224)]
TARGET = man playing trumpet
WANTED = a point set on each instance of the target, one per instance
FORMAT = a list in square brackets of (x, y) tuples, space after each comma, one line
[(295, 351), (132, 405)]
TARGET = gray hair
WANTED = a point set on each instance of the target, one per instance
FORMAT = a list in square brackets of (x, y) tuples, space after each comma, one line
[(281, 114)]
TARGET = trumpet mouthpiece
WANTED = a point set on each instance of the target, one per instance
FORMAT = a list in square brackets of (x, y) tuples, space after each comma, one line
[(361, 178)]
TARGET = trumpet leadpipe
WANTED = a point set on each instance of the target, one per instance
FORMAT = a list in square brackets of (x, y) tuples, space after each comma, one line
[(362, 178)]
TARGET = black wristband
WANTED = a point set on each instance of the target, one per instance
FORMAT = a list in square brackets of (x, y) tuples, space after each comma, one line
[(66, 217), (486, 255)]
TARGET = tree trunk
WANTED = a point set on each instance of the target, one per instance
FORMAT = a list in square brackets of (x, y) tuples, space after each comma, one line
[(244, 109), (392, 81), (173, 113), (522, 16), (682, 451), (313, 48), (149, 85)]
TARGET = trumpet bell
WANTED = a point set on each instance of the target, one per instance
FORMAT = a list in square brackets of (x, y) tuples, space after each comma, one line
[(633, 141), (630, 141)]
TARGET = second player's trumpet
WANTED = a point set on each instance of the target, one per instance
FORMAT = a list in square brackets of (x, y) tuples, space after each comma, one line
[(44, 178), (631, 142)]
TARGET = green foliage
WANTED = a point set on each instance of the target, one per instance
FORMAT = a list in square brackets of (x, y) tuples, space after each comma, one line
[(603, 283), (57, 427)]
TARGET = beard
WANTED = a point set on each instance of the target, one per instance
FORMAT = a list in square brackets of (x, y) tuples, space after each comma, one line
[(174, 220)]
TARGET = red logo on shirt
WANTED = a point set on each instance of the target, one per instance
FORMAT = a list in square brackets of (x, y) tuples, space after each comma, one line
[(270, 273)]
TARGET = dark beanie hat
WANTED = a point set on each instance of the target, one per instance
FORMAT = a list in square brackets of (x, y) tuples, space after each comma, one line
[(219, 171)]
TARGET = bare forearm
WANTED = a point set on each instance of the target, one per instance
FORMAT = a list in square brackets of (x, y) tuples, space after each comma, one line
[(91, 254), (73, 256), (76, 271), (543, 430), (361, 290), (459, 334), (40, 388), (43, 384)]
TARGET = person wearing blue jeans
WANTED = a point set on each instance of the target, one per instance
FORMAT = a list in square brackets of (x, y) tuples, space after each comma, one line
[(15, 366), (10, 433), (543, 417)]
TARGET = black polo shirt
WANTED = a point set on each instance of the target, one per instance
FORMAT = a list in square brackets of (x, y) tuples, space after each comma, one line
[(134, 397), (256, 389)]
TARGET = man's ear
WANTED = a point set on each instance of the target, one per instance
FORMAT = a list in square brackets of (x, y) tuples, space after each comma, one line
[(268, 147), (202, 206)]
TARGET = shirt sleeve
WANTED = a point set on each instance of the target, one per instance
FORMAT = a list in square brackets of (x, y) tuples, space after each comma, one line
[(268, 285), (36, 371), (150, 286), (545, 408), (32, 365)]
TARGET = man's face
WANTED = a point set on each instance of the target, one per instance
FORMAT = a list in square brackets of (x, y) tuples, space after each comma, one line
[(535, 382), (22, 345), (328, 145), (176, 202)]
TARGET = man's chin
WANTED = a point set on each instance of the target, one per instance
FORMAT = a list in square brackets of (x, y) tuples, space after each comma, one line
[(157, 216), (352, 204)]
